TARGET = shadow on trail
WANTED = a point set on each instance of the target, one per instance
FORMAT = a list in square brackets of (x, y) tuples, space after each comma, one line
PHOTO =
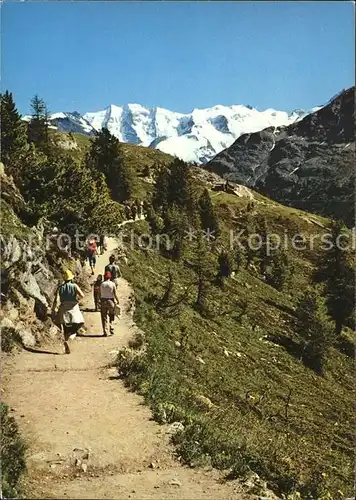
[(91, 335), (36, 351)]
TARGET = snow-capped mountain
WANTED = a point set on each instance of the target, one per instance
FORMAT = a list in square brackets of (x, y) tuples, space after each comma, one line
[(194, 137)]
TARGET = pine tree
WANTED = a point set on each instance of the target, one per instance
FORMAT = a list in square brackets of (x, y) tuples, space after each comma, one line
[(105, 156), (38, 126), (180, 186), (336, 271), (176, 225), (204, 266), (154, 221), (238, 257), (225, 266), (312, 324), (264, 257), (13, 135), (279, 270), (209, 221), (246, 239), (160, 191)]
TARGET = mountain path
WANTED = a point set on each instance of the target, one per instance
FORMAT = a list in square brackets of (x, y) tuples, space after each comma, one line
[(89, 437)]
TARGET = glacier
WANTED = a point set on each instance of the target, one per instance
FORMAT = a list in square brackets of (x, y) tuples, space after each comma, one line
[(194, 137)]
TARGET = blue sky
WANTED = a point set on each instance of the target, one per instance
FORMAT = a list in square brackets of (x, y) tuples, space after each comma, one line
[(179, 55)]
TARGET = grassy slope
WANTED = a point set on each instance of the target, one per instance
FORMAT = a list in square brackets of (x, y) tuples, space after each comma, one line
[(271, 413)]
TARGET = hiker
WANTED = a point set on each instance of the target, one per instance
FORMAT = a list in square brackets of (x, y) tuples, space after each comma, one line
[(108, 299), (96, 291), (127, 212), (133, 211), (69, 316), (113, 269), (141, 214), (146, 206), (102, 242), (105, 244), (98, 245), (92, 253)]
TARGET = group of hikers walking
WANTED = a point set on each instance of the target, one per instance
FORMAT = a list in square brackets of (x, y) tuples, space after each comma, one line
[(69, 316), (136, 210)]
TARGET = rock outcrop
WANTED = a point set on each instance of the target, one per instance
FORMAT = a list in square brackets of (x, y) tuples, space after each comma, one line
[(30, 273)]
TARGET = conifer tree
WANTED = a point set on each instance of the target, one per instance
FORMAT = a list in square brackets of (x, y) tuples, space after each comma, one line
[(246, 239), (313, 326), (238, 257), (204, 266), (160, 192), (265, 259), (154, 221), (176, 225), (180, 186), (336, 271), (208, 218), (225, 266), (38, 126), (105, 156), (279, 269), (13, 135)]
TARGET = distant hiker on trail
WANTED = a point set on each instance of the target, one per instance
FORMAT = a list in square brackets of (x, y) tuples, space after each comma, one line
[(146, 206), (105, 243), (113, 269), (108, 299), (98, 245), (140, 211), (133, 211), (69, 315), (127, 212), (96, 291), (102, 242), (92, 253)]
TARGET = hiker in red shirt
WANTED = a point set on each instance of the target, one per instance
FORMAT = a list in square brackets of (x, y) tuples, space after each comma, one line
[(92, 253)]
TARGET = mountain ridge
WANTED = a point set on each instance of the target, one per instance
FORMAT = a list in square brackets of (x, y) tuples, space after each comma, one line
[(194, 137), (308, 164)]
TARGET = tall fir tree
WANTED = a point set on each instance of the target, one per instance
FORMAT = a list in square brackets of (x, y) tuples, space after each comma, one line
[(204, 266), (279, 269), (160, 191), (225, 266), (14, 144), (39, 123), (180, 187), (176, 225), (313, 326), (209, 221), (263, 254), (336, 272), (105, 156), (247, 240)]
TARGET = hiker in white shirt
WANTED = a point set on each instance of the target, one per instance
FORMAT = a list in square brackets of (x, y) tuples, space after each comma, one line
[(108, 299)]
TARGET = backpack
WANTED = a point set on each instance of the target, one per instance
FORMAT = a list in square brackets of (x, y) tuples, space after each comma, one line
[(112, 268)]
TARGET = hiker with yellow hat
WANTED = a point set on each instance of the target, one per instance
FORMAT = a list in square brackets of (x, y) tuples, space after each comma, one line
[(69, 315)]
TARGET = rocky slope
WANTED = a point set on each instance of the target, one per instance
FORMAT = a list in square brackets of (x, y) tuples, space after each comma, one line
[(308, 164), (194, 137), (30, 270)]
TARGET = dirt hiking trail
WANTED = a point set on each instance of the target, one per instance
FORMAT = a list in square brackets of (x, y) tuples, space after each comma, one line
[(88, 436)]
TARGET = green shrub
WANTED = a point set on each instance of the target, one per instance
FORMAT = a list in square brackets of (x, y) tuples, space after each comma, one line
[(13, 450)]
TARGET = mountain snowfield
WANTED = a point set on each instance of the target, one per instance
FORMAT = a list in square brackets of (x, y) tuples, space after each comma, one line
[(194, 137)]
